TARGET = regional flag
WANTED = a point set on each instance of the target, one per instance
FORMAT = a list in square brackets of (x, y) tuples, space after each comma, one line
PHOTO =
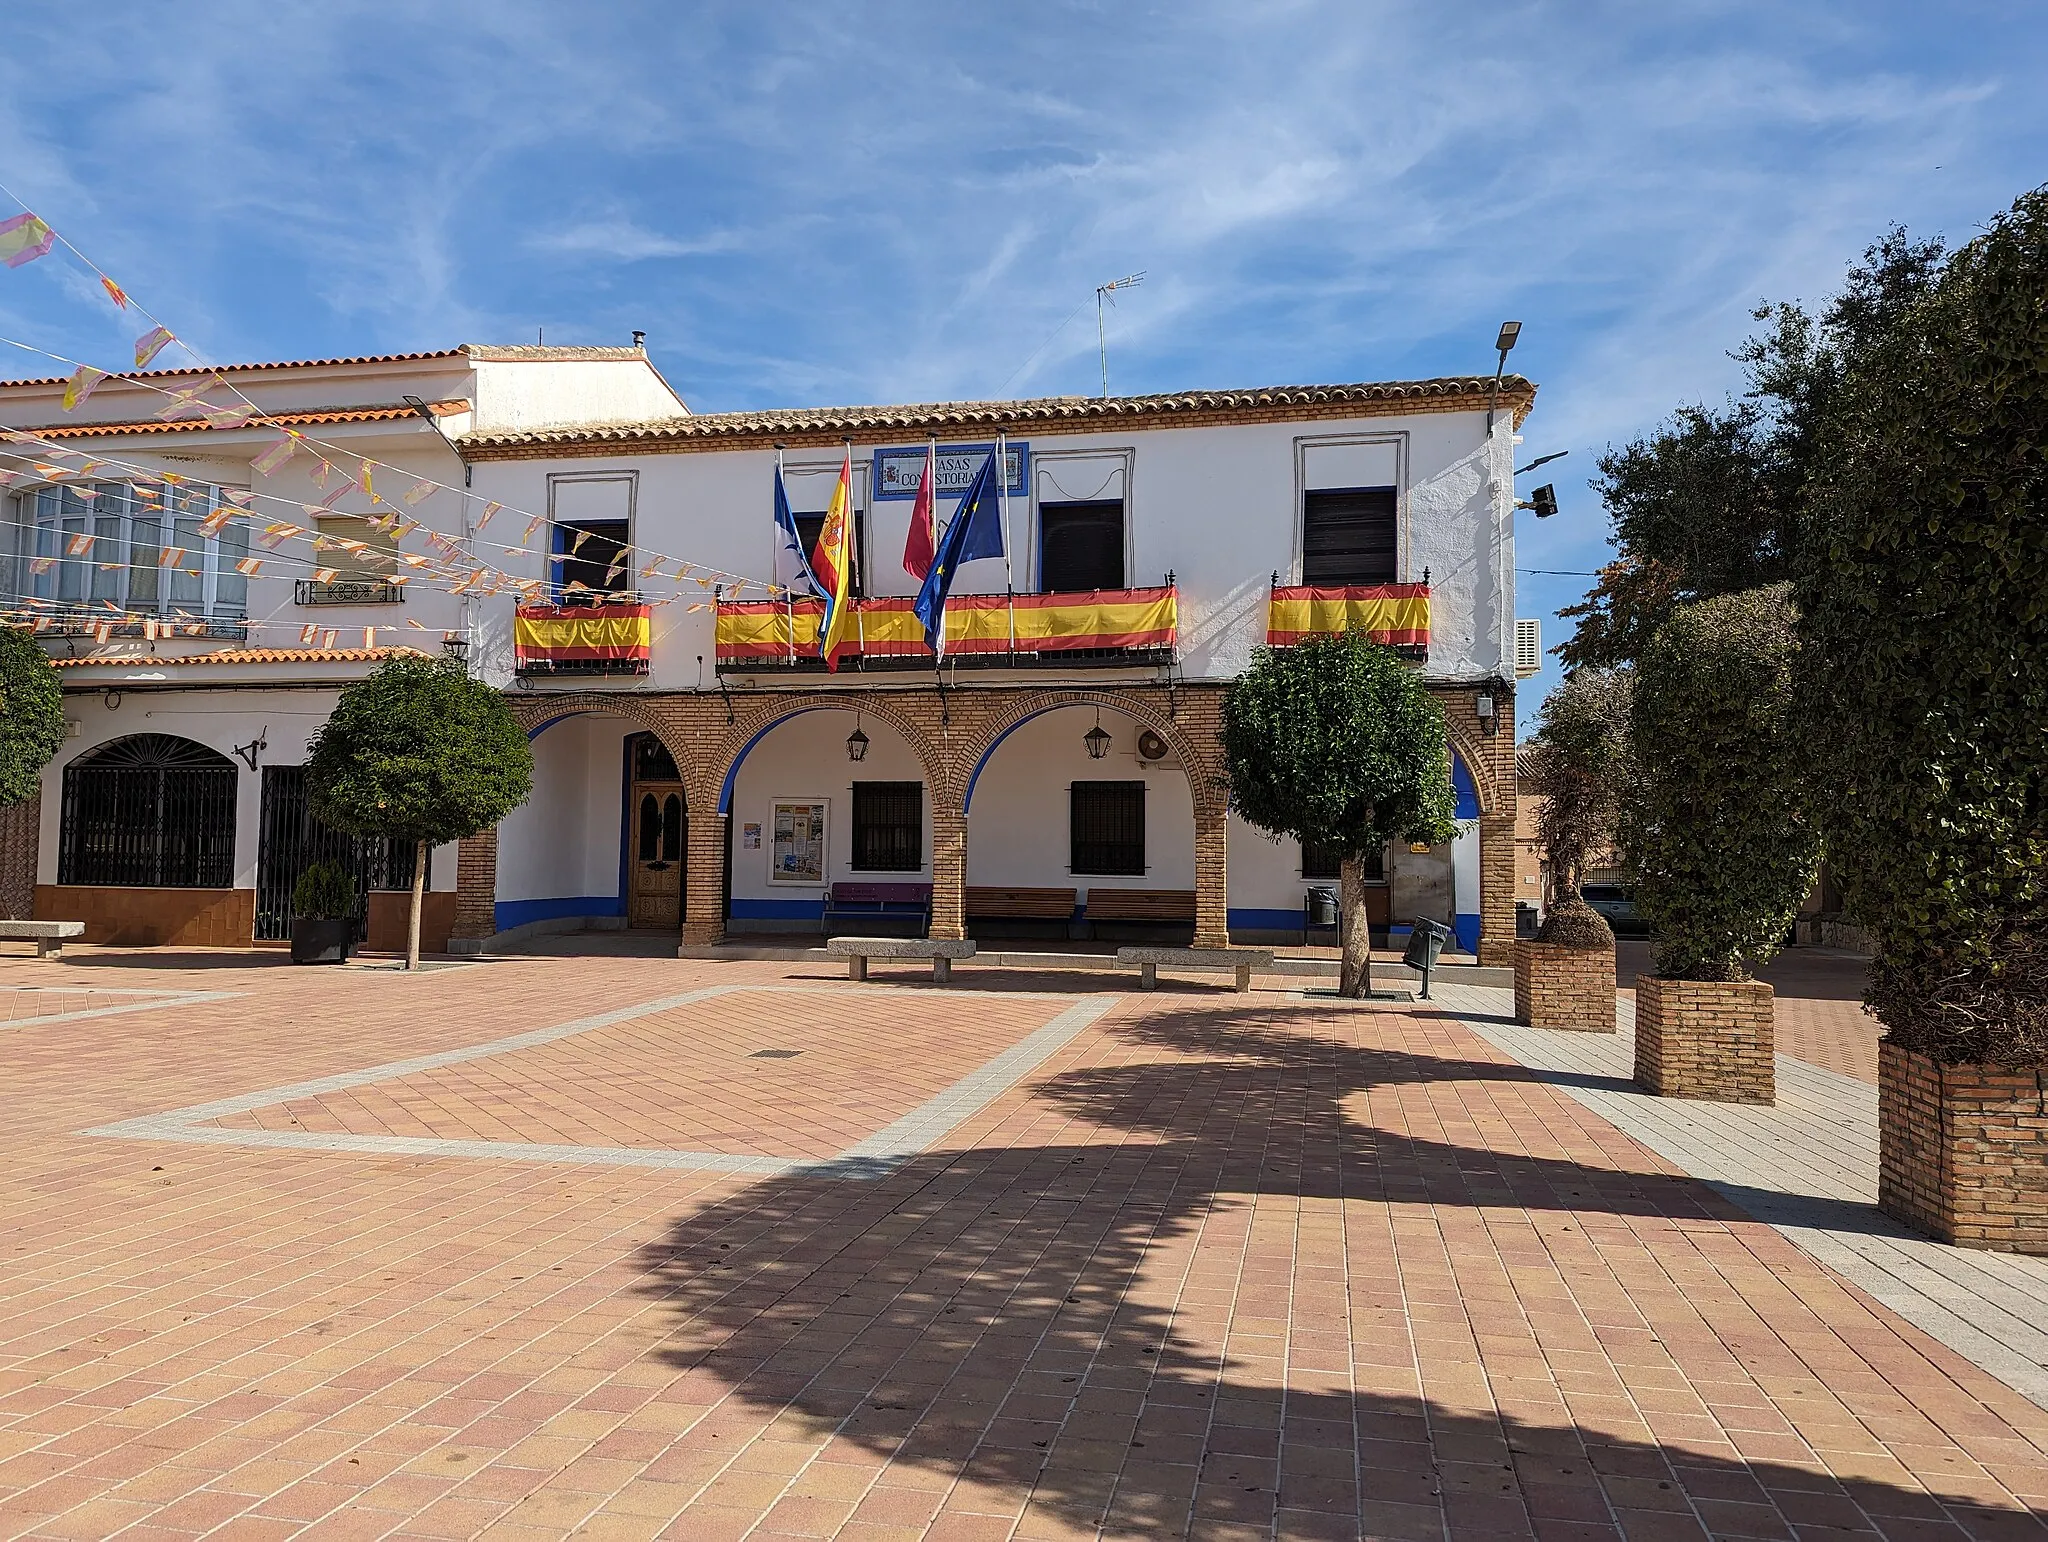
[(832, 562), (919, 546), (976, 530), (792, 569)]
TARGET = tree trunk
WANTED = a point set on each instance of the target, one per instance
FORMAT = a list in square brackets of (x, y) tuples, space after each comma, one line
[(1354, 979), (419, 886)]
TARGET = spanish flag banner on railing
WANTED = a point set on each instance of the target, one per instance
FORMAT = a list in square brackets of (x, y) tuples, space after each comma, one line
[(975, 623), (1394, 614), (578, 636)]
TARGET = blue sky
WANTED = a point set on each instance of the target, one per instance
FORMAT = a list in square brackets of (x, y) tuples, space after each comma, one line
[(828, 203)]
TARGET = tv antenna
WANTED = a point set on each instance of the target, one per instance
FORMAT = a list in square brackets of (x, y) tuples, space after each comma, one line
[(1108, 292)]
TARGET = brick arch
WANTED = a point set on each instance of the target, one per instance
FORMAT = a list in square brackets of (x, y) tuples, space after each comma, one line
[(751, 728), (1477, 762), (533, 713), (1204, 784)]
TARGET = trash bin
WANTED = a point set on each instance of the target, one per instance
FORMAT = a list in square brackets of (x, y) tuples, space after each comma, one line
[(1426, 939), (1322, 907), (1528, 919)]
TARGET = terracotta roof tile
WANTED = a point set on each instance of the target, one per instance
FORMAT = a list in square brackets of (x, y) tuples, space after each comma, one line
[(489, 352), (239, 656), (290, 419), (1076, 413)]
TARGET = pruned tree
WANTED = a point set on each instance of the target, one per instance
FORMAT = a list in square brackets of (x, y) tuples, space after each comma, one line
[(31, 715), (418, 751), (1926, 631), (1336, 742), (1715, 820), (1578, 764)]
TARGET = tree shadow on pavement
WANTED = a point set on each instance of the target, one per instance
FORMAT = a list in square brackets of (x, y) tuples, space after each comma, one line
[(1039, 1323)]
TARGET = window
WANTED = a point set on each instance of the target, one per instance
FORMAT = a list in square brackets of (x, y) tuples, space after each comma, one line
[(1106, 829), (652, 761), (1326, 862), (591, 560), (362, 577), (888, 827), (147, 548), (1349, 536), (1081, 546), (149, 811), (810, 526)]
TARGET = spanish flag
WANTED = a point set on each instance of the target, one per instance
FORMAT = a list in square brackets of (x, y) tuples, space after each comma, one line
[(832, 563)]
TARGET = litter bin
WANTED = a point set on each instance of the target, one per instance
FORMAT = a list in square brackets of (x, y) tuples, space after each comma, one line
[(1528, 919), (1426, 940), (1322, 907)]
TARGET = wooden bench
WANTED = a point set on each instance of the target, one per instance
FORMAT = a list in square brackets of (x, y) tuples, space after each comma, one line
[(1239, 961), (1020, 904), (879, 901), (48, 936), (858, 950), (1141, 905)]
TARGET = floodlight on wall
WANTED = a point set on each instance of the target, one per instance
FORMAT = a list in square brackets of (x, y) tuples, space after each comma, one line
[(1542, 499), (1096, 740), (856, 742)]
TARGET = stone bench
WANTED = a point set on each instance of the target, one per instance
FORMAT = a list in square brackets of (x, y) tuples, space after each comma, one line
[(48, 936), (858, 950), (1239, 961)]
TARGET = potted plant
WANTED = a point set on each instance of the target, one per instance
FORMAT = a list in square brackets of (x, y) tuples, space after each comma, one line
[(1577, 765), (1715, 823), (323, 914), (1926, 681)]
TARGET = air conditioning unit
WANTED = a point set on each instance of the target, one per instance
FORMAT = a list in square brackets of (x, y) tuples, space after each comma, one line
[(1528, 648)]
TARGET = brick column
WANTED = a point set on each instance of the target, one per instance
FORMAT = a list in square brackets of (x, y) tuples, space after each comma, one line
[(1212, 879), (949, 870), (476, 886), (21, 826), (704, 881), (1497, 888)]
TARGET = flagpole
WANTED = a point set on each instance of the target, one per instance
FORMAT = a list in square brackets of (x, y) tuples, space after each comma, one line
[(789, 593), (1003, 494)]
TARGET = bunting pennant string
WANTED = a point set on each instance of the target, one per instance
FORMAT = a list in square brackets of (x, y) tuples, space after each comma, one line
[(26, 237)]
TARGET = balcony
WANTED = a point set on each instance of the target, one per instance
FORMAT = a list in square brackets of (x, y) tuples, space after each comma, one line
[(1394, 614), (104, 627), (1102, 629), (348, 591), (582, 640)]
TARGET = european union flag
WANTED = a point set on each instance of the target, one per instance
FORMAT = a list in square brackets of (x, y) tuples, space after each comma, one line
[(976, 531)]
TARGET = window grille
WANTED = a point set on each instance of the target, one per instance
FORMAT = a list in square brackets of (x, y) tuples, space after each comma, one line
[(888, 827), (148, 548), (1318, 861), (149, 811), (652, 761), (1081, 546), (291, 840), (1106, 829), (1349, 535)]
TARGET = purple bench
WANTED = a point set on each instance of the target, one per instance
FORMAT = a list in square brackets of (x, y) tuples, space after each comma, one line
[(880, 901)]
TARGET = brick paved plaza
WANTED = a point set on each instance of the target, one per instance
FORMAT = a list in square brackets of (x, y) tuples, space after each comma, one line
[(561, 1246)]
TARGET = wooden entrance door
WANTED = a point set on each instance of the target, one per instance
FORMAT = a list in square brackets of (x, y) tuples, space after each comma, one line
[(655, 898)]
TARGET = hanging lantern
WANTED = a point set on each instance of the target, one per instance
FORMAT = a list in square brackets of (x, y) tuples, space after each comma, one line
[(856, 742), (1096, 740)]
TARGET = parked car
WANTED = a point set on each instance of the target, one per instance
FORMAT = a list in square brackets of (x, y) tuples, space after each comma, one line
[(1617, 902)]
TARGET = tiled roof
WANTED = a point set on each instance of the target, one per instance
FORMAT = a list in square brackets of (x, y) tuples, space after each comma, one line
[(1074, 413), (489, 352), (238, 656), (288, 419)]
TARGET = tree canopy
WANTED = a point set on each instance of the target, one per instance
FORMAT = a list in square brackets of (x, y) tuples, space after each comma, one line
[(1720, 499), (1337, 743), (1578, 765), (418, 751), (1925, 619), (31, 715), (1714, 820)]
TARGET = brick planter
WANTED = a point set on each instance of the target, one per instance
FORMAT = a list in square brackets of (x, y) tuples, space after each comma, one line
[(1963, 1151), (1705, 1039), (1561, 987)]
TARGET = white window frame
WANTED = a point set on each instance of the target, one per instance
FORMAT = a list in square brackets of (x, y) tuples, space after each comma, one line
[(1043, 461), (47, 534), (1303, 443)]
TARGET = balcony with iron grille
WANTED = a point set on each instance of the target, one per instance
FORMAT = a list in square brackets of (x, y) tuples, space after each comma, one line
[(348, 591), (582, 640), (1099, 629)]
